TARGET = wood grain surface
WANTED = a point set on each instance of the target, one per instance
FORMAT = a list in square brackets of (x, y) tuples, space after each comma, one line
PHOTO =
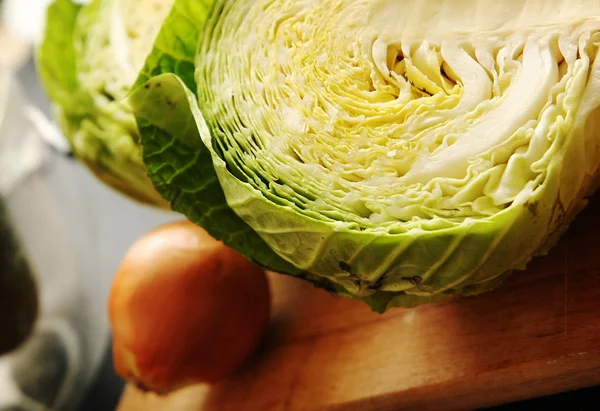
[(538, 334)]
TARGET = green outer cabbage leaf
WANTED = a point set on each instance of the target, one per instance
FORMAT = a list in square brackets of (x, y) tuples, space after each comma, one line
[(97, 123)]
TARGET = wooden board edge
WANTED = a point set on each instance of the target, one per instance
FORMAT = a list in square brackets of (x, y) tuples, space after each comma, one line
[(522, 382)]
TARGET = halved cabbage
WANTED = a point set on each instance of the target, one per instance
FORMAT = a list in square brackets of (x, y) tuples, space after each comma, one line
[(89, 59), (396, 152)]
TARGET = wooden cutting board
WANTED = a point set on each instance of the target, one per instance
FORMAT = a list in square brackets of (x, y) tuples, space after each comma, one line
[(538, 334)]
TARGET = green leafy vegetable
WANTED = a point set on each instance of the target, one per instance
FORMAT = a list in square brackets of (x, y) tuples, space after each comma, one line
[(393, 152), (89, 59)]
